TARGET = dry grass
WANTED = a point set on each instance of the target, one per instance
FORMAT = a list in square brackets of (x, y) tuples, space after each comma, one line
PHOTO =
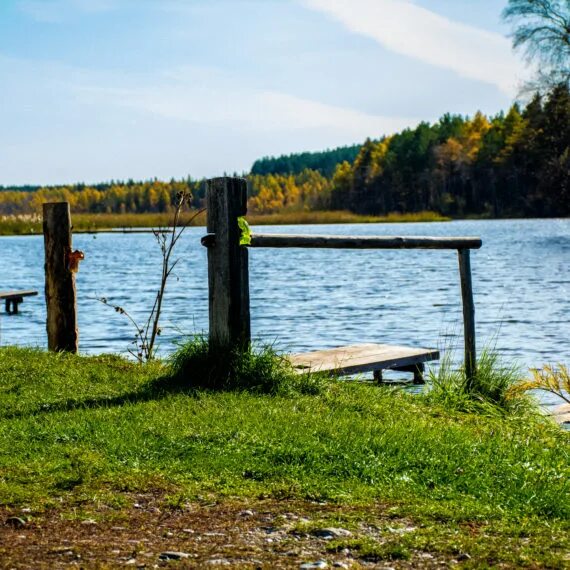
[(548, 379), (26, 225)]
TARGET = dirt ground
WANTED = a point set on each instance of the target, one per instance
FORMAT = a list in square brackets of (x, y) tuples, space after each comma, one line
[(148, 534)]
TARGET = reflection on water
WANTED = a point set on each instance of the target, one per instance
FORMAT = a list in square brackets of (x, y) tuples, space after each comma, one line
[(307, 298)]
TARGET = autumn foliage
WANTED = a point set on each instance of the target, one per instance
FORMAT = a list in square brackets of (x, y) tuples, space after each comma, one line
[(513, 164)]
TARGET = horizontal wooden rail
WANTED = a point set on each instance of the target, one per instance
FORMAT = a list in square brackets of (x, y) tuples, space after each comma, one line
[(357, 242)]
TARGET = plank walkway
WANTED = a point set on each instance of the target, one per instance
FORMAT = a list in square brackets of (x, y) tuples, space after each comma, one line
[(14, 298), (363, 358)]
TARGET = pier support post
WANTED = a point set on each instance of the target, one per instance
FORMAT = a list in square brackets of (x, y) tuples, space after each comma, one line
[(61, 299), (468, 316), (228, 272)]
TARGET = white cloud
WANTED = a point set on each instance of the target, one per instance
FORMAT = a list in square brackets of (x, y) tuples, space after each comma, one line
[(406, 28), (65, 123), (219, 101)]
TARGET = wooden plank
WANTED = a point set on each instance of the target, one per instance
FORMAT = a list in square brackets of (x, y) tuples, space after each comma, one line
[(561, 414), (9, 294), (364, 242), (361, 358), (14, 298), (468, 316), (228, 273), (61, 301)]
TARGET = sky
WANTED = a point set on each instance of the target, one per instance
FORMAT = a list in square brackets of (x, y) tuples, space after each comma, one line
[(98, 90)]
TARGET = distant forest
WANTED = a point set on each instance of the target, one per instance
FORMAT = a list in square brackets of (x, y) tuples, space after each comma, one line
[(511, 164), (324, 162)]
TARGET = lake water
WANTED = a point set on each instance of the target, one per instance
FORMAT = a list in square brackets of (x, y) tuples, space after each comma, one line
[(308, 298)]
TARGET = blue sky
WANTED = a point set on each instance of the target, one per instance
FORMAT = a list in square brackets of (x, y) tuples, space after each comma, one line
[(93, 90)]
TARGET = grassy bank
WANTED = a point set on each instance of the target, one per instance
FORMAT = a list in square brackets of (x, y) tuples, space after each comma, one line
[(78, 432), (26, 225)]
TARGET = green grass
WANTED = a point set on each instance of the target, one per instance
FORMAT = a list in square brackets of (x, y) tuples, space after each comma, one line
[(263, 371), (490, 392), (77, 430), (26, 225), (74, 424)]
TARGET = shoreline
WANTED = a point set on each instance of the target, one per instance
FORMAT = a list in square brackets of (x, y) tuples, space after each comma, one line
[(148, 222), (92, 223)]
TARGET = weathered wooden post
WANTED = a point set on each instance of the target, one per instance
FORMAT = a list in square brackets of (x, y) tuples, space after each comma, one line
[(228, 272), (60, 278), (468, 315)]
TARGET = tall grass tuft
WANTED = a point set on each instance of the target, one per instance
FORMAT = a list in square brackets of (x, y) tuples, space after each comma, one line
[(259, 370), (489, 392)]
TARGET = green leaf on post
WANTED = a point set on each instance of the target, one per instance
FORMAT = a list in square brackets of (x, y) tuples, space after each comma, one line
[(245, 232)]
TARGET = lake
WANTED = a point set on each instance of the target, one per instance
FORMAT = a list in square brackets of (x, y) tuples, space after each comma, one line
[(308, 299)]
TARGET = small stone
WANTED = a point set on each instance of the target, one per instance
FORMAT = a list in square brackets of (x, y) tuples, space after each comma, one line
[(311, 565), (171, 555), (89, 522), (188, 531), (15, 522), (26, 510), (330, 533), (219, 562), (131, 562), (168, 534), (402, 530), (247, 513)]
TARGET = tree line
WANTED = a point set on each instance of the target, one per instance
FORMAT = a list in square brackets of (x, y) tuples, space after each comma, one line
[(511, 164), (323, 162)]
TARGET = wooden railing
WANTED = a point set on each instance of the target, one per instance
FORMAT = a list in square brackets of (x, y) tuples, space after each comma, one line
[(228, 271)]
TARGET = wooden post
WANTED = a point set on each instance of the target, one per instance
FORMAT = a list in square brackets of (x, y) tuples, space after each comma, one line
[(468, 315), (228, 274), (60, 279)]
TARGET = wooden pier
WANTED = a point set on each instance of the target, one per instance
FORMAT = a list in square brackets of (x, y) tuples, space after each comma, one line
[(361, 358), (14, 298), (228, 285)]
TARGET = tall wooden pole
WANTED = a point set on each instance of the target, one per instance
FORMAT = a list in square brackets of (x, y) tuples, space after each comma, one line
[(60, 279), (468, 316), (228, 273)]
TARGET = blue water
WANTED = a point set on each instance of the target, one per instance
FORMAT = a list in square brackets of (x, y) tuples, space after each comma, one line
[(308, 298)]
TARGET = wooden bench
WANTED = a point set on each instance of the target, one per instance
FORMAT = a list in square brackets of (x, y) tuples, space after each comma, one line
[(14, 298), (363, 358)]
